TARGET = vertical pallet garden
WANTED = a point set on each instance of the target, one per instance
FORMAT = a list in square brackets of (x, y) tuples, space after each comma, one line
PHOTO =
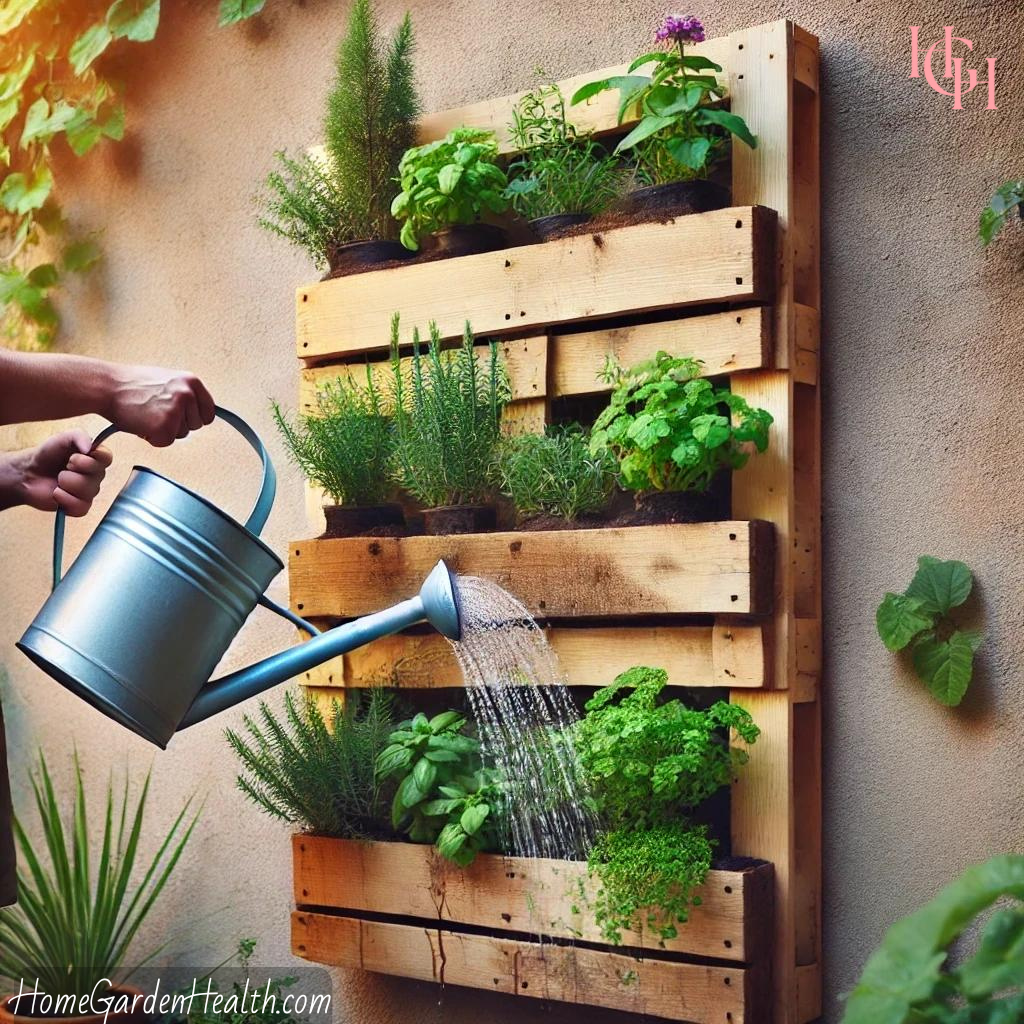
[(732, 604)]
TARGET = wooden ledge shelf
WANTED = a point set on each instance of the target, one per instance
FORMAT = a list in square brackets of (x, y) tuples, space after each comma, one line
[(722, 256), (726, 654), (695, 568), (513, 894)]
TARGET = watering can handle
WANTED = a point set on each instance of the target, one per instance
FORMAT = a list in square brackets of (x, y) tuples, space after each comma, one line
[(257, 517)]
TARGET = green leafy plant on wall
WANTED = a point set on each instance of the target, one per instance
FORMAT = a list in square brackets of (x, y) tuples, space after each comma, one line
[(50, 89), (673, 430), (455, 180), (919, 619), (650, 764), (909, 979), (444, 795), (347, 446), (1009, 197)]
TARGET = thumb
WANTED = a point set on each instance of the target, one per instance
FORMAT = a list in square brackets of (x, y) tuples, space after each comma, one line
[(77, 441)]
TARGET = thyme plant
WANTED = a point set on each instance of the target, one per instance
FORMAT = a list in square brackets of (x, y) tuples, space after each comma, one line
[(447, 419), (558, 170), (316, 772), (650, 765), (346, 448), (556, 473)]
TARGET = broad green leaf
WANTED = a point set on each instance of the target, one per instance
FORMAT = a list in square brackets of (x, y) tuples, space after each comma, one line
[(451, 840), (232, 11), (43, 276), (904, 971), (473, 818), (442, 756), (409, 794), (731, 122), (448, 177), (1008, 197), (940, 585), (82, 132), (946, 666), (900, 618), (692, 153), (698, 63), (999, 963), (113, 127), (424, 775), (644, 130), (447, 720), (88, 46), (81, 255), (14, 12), (647, 58), (584, 92), (710, 429), (43, 123), (36, 306), (435, 808), (20, 194), (136, 20)]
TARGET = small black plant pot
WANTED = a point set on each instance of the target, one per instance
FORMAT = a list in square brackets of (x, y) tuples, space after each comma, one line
[(358, 257), (447, 519), (364, 521), (679, 197), (555, 223), (469, 239)]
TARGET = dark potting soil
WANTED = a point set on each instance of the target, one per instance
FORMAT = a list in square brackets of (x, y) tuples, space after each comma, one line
[(546, 522), (612, 219)]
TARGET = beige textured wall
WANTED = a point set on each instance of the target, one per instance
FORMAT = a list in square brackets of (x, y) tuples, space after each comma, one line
[(922, 401)]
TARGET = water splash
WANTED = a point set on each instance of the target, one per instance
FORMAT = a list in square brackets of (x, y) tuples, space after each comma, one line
[(523, 710)]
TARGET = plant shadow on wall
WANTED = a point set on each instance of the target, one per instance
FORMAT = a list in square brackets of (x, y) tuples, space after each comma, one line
[(56, 95)]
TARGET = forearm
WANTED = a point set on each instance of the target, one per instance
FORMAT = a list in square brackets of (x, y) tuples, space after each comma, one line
[(50, 387)]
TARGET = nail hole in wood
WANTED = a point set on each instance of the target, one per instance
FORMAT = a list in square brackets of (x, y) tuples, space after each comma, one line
[(734, 597), (728, 888), (739, 319), (739, 280), (771, 56), (740, 77), (732, 536), (495, 980), (522, 312), (739, 223), (525, 984), (305, 892), (506, 918), (741, 46), (300, 606), (728, 981), (728, 943), (305, 344), (508, 263), (297, 551), (305, 298), (508, 316)]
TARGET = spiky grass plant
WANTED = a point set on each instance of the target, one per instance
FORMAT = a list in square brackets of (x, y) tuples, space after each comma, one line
[(556, 474), (316, 772), (74, 925), (371, 118), (447, 419), (303, 203), (346, 448)]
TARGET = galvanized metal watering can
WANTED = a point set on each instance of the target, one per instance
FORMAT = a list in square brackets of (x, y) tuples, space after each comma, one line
[(159, 591)]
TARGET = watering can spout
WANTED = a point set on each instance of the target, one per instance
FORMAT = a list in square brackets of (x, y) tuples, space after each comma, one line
[(437, 603)]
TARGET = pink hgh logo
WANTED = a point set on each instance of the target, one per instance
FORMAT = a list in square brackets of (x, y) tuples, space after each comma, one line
[(954, 68)]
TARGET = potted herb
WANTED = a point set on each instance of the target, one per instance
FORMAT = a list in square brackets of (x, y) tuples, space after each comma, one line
[(650, 765), (674, 434), (337, 207), (447, 186), (447, 430), (346, 448), (554, 480), (561, 178), (681, 133), (79, 914), (317, 771)]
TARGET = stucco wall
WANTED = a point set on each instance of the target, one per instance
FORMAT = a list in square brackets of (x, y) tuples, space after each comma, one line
[(922, 404)]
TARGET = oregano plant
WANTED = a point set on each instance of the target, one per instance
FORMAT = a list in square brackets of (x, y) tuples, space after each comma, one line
[(919, 620)]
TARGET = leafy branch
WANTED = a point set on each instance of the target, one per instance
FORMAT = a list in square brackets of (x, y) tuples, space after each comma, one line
[(918, 619), (1008, 197)]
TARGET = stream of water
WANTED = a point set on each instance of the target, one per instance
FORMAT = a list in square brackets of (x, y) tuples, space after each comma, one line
[(523, 707)]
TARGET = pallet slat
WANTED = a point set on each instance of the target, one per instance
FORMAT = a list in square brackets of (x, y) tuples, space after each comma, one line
[(727, 342), (696, 568), (701, 994), (723, 256), (728, 654), (510, 894)]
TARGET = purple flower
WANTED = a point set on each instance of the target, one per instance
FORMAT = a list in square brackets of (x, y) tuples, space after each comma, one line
[(678, 28)]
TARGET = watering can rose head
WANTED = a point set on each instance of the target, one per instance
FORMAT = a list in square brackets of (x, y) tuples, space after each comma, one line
[(141, 619)]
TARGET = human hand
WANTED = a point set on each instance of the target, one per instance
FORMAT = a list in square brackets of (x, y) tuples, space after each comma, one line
[(63, 472), (159, 405)]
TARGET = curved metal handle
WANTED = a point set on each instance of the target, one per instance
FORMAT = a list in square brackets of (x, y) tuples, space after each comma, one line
[(257, 517)]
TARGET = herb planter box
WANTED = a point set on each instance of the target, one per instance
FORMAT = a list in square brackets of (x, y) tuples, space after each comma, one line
[(430, 926)]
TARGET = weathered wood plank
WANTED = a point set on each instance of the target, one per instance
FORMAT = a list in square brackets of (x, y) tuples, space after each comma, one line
[(510, 894), (721, 256), (694, 568), (722, 655), (726, 343), (698, 993), (525, 360)]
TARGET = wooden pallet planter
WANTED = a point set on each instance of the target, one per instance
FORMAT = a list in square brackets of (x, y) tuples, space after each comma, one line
[(442, 909), (740, 290)]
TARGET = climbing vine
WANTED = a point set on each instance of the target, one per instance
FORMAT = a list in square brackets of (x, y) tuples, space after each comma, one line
[(52, 92)]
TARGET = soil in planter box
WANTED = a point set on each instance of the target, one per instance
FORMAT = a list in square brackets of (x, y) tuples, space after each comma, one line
[(546, 522)]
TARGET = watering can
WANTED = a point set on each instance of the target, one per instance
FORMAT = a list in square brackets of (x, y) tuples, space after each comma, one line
[(159, 591)]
